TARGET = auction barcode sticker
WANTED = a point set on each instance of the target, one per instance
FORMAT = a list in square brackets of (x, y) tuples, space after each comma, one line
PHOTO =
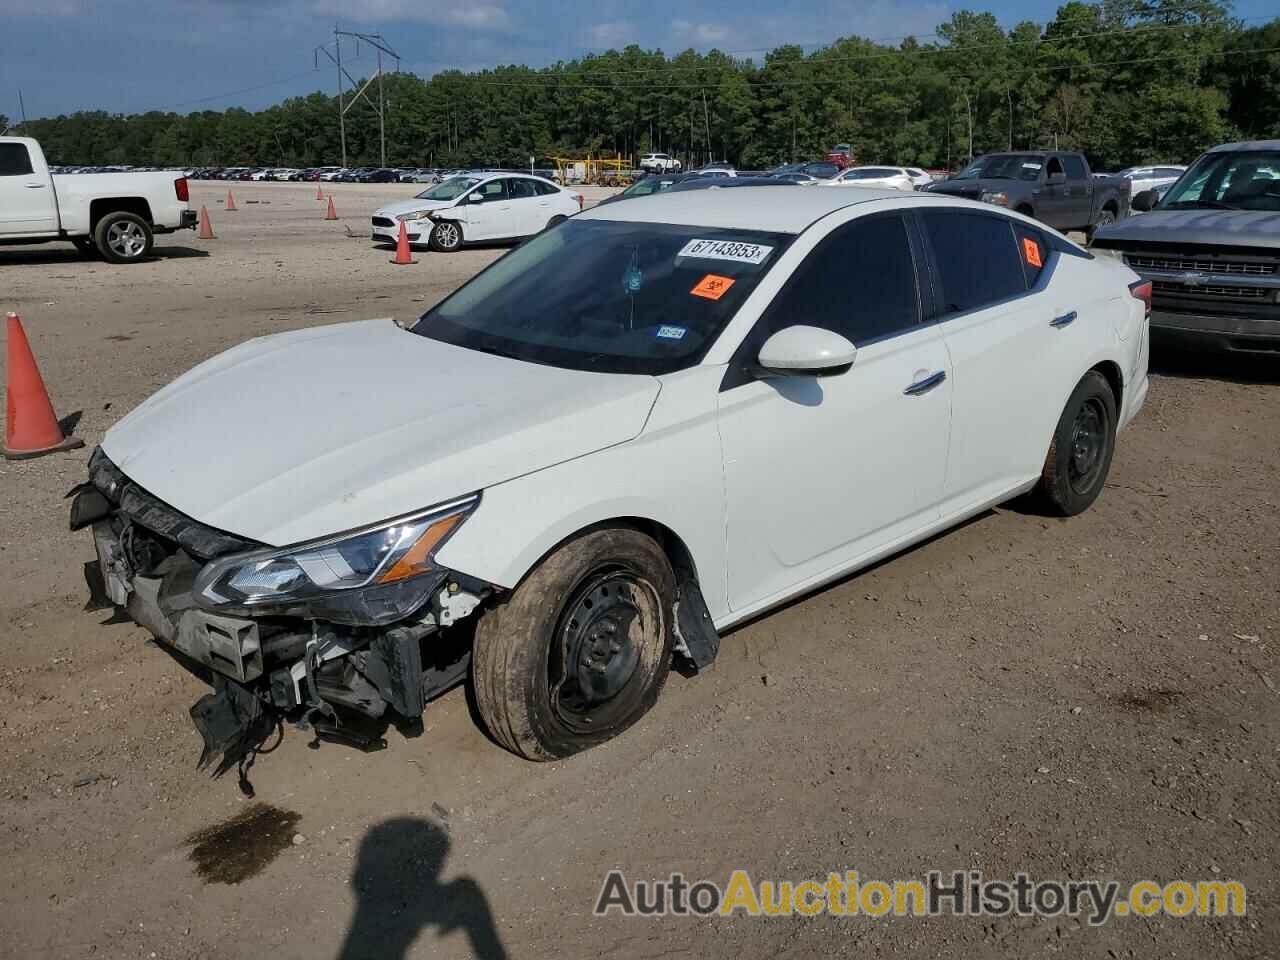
[(733, 250)]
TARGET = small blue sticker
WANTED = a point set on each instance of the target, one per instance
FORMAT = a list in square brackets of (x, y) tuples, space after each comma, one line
[(672, 333), (633, 279)]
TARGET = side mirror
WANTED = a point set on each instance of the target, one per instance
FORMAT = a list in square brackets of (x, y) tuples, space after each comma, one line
[(1145, 201), (804, 351)]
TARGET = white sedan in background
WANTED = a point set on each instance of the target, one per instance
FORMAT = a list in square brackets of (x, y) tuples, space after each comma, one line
[(1151, 178), (886, 178), (477, 207), (658, 420)]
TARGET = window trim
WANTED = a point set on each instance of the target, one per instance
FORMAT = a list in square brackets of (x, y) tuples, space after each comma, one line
[(738, 373)]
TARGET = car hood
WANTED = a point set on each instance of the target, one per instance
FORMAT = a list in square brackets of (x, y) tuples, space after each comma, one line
[(972, 187), (300, 435), (393, 210), (1242, 228)]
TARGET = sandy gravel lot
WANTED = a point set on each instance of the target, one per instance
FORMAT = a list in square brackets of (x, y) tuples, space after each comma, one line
[(1093, 698)]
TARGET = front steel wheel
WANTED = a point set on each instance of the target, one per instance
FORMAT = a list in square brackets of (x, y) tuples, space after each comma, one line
[(581, 648)]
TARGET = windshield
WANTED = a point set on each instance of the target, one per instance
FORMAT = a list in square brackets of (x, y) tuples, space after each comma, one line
[(1231, 180), (647, 185), (607, 296), (450, 189), (1003, 167)]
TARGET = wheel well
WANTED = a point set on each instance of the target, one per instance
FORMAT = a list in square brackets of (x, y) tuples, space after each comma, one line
[(1112, 206), (1114, 378), (1025, 208), (100, 208), (675, 549)]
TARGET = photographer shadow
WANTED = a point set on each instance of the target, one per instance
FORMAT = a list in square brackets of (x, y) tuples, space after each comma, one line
[(399, 894)]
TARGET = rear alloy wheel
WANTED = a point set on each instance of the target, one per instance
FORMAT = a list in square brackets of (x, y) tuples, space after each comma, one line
[(581, 649), (446, 236), (1079, 459), (123, 237)]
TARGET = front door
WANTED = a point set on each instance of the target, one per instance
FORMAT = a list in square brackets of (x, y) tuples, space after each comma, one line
[(821, 471), (27, 203), (489, 211)]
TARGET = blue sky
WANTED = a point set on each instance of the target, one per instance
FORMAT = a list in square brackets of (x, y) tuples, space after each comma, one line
[(134, 55)]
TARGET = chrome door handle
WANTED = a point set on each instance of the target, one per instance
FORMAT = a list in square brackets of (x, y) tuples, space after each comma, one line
[(925, 385), (34, 186), (1064, 320)]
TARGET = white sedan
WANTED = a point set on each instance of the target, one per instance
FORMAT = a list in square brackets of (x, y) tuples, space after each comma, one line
[(656, 421), (477, 207), (887, 178)]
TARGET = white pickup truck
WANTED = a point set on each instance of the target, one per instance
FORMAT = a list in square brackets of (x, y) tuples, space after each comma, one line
[(114, 214)]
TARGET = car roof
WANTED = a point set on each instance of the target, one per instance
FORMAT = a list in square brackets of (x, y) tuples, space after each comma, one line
[(1246, 145), (777, 209)]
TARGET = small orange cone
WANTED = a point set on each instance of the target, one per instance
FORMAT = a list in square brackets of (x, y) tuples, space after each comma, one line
[(319, 192), (206, 228), (403, 256), (231, 201), (332, 214), (31, 429)]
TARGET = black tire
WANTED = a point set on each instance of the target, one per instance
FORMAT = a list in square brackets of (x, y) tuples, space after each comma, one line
[(596, 613), (446, 237), (85, 246), (122, 237), (1079, 458)]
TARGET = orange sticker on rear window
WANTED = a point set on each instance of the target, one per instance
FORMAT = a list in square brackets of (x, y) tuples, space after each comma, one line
[(1031, 250), (712, 286)]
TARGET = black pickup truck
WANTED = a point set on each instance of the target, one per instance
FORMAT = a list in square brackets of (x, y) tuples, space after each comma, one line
[(1055, 188), (1211, 249)]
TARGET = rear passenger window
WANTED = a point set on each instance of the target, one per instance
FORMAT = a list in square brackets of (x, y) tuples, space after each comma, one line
[(859, 282), (977, 259), (521, 189), (14, 160), (1075, 168), (546, 189)]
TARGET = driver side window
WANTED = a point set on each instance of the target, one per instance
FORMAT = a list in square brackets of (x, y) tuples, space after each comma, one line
[(1053, 167), (859, 282), (491, 191)]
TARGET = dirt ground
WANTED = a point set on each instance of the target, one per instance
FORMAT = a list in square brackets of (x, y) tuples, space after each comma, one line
[(1093, 698)]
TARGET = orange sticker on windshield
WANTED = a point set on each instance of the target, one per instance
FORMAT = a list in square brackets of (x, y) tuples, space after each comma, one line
[(712, 286), (1031, 250)]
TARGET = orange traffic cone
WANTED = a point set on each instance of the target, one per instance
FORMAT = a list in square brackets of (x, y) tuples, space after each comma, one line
[(319, 192), (332, 214), (403, 256), (206, 228), (31, 429), (231, 201)]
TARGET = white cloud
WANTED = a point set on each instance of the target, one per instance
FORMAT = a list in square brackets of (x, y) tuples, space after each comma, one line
[(455, 13), (611, 36), (700, 34)]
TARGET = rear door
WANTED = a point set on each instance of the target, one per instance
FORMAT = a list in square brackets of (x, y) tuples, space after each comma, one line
[(821, 471), (1053, 204), (526, 206), (1016, 348), (27, 201)]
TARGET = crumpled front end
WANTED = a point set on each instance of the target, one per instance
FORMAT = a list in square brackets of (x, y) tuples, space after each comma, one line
[(335, 675)]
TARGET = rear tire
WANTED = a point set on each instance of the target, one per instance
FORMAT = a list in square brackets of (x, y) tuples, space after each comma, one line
[(122, 237), (446, 237), (1079, 459), (580, 649)]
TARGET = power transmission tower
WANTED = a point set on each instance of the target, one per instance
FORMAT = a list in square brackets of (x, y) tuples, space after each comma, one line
[(379, 43)]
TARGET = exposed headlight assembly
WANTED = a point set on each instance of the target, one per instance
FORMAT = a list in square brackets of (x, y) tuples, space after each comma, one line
[(372, 576), (415, 215), (998, 198)]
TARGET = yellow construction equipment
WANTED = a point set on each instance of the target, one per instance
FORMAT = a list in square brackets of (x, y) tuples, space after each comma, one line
[(597, 171)]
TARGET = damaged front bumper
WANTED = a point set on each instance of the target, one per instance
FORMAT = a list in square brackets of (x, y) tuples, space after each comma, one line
[(264, 668)]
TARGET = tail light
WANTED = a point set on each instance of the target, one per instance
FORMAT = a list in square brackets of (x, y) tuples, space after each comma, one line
[(180, 188), (1141, 289)]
